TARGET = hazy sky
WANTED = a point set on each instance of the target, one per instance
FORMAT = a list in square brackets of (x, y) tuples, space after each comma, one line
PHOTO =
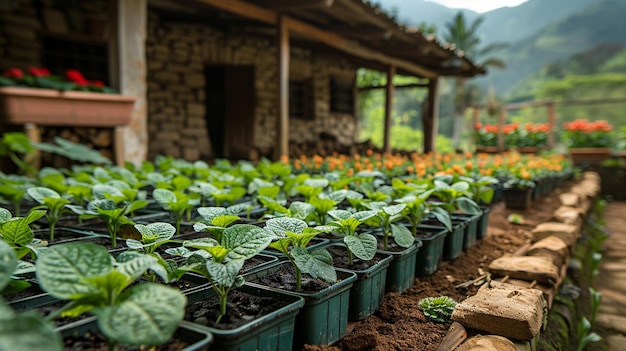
[(479, 5)]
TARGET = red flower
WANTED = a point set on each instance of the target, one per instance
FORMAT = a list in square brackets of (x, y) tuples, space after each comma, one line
[(39, 72), (96, 83), (477, 126), (13, 73), (76, 77)]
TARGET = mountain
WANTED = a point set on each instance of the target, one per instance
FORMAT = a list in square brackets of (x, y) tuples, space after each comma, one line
[(415, 12), (601, 22)]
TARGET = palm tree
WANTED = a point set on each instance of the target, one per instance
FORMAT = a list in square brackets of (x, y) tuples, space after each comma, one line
[(466, 38)]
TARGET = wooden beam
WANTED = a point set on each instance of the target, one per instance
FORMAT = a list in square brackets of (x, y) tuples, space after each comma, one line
[(403, 86), (501, 120), (284, 5), (475, 120), (282, 42), (352, 48), (391, 72), (430, 119), (245, 9)]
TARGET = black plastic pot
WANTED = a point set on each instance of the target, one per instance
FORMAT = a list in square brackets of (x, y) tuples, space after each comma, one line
[(430, 255), (272, 332), (469, 236), (324, 317), (483, 223), (518, 199), (198, 337), (401, 270), (453, 243)]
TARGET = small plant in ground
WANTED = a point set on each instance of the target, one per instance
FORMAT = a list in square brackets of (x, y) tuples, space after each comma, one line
[(17, 233), (585, 335), (27, 331), (87, 276), (438, 309), (297, 209), (293, 235), (226, 258), (596, 298), (515, 218), (215, 219), (51, 201), (362, 245)]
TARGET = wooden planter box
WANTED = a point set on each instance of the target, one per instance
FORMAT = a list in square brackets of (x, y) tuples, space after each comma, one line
[(589, 155), (47, 107)]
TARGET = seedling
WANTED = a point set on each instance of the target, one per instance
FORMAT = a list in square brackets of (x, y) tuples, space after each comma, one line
[(438, 309), (293, 235), (16, 232), (362, 245), (226, 258), (51, 201), (176, 202), (153, 236), (385, 217), (87, 275)]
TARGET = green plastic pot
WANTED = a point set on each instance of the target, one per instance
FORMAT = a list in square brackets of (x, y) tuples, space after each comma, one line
[(471, 230), (198, 337), (401, 270), (453, 243), (483, 223), (430, 255), (324, 317), (271, 332), (368, 289)]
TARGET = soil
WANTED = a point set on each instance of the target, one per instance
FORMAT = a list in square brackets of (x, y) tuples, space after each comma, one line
[(241, 309), (98, 342), (285, 279), (341, 260), (399, 325)]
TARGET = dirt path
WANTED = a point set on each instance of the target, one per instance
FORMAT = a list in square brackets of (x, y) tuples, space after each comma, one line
[(399, 325), (611, 281)]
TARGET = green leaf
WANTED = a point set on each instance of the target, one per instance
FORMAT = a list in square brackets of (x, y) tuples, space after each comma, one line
[(341, 214), (245, 240), (5, 215), (40, 193), (17, 232), (362, 216), (394, 209), (62, 269), (317, 264), (134, 264), (460, 187), (300, 210), (316, 183), (8, 264), (280, 226), (164, 197), (467, 205), (28, 332), (402, 235), (147, 315), (362, 246), (442, 216), (103, 191), (155, 232), (224, 274)]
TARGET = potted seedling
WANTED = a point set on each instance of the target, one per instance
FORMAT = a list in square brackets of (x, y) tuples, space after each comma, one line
[(153, 236), (226, 258), (53, 203), (215, 219), (361, 245), (17, 233), (386, 216), (27, 331), (178, 203), (87, 276)]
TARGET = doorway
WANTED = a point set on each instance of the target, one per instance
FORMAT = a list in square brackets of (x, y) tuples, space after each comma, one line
[(230, 110)]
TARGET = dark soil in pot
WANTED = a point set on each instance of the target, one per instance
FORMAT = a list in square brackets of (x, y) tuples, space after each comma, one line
[(242, 308), (285, 279), (98, 342), (340, 259)]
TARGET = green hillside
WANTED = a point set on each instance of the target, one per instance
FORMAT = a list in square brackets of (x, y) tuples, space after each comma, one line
[(602, 22)]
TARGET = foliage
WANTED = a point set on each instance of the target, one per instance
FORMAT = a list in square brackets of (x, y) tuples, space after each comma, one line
[(87, 275), (26, 331), (226, 258), (292, 237), (53, 203), (582, 133), (17, 233), (438, 309), (361, 245), (585, 335), (41, 78)]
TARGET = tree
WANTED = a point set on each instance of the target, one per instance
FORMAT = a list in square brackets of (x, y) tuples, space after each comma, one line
[(466, 38)]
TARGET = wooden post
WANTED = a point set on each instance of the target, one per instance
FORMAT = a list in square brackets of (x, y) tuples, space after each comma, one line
[(475, 119), (430, 119), (501, 119), (129, 67), (282, 43), (551, 122), (391, 72)]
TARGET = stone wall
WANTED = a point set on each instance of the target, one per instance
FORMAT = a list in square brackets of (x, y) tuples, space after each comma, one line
[(177, 54)]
